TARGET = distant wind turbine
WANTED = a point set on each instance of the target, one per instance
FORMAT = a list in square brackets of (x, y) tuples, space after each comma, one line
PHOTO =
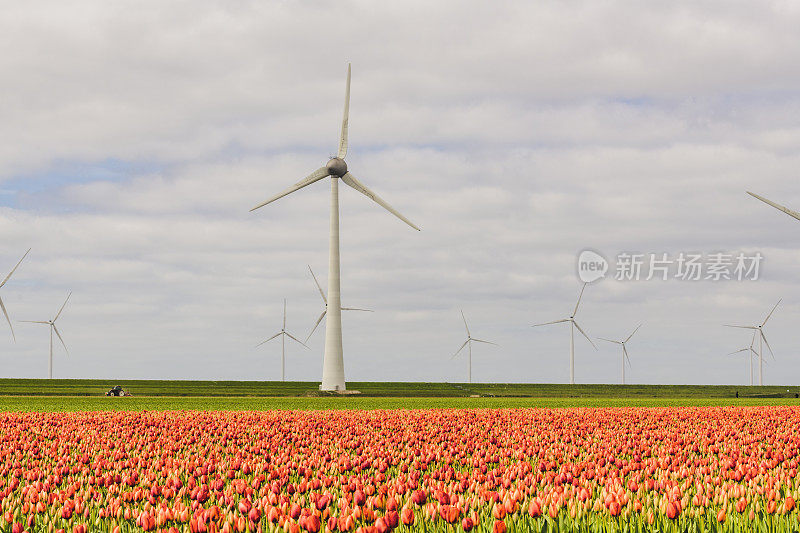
[(779, 207), (750, 355), (624, 350), (468, 344), (762, 340), (52, 324), (336, 168), (572, 325), (325, 300), (283, 334), (2, 306)]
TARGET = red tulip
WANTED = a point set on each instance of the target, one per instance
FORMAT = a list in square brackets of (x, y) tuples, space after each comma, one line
[(392, 519), (359, 498), (449, 513), (294, 512), (672, 510), (381, 526), (313, 524), (419, 497), (407, 516)]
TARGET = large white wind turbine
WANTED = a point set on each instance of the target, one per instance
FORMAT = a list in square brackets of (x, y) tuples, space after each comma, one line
[(572, 325), (283, 334), (624, 350), (762, 340), (751, 353), (325, 301), (468, 344), (779, 207), (52, 324), (333, 362), (2, 306)]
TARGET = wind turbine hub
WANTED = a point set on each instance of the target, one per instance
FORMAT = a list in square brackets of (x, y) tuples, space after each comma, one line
[(337, 167)]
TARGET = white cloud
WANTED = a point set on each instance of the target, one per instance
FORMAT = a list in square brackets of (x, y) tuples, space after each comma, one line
[(135, 138)]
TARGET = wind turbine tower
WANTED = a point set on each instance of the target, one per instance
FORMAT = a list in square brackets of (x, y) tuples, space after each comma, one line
[(468, 344), (283, 334), (336, 168), (762, 340), (53, 327), (572, 325), (624, 350)]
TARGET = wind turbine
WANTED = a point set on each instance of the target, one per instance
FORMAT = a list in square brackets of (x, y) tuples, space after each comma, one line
[(468, 344), (336, 168), (751, 353), (762, 340), (325, 300), (572, 325), (52, 324), (624, 350), (779, 207), (2, 306), (283, 334)]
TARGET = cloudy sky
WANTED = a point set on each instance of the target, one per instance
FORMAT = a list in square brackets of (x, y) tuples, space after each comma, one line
[(135, 136)]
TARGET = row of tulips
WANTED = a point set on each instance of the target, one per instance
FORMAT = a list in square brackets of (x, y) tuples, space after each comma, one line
[(670, 469)]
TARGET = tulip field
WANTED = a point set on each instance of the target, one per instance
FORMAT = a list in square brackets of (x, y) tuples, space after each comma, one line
[(609, 469)]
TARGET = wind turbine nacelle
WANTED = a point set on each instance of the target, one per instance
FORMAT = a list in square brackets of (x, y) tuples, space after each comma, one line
[(337, 167)]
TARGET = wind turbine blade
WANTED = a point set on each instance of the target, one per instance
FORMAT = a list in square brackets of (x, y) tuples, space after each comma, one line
[(295, 339), (276, 335), (627, 357), (739, 351), (553, 322), (770, 313), (316, 324), (584, 334), (609, 340), (579, 300), (767, 343), (357, 309), (779, 207), (634, 332), (8, 319), (308, 180), (486, 342), (742, 327), (61, 339), (284, 315), (363, 189), (321, 292), (34, 321), (15, 267), (459, 350), (465, 323), (345, 119), (62, 307)]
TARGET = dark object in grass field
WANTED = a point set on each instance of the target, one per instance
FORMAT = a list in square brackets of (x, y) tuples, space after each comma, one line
[(117, 391)]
